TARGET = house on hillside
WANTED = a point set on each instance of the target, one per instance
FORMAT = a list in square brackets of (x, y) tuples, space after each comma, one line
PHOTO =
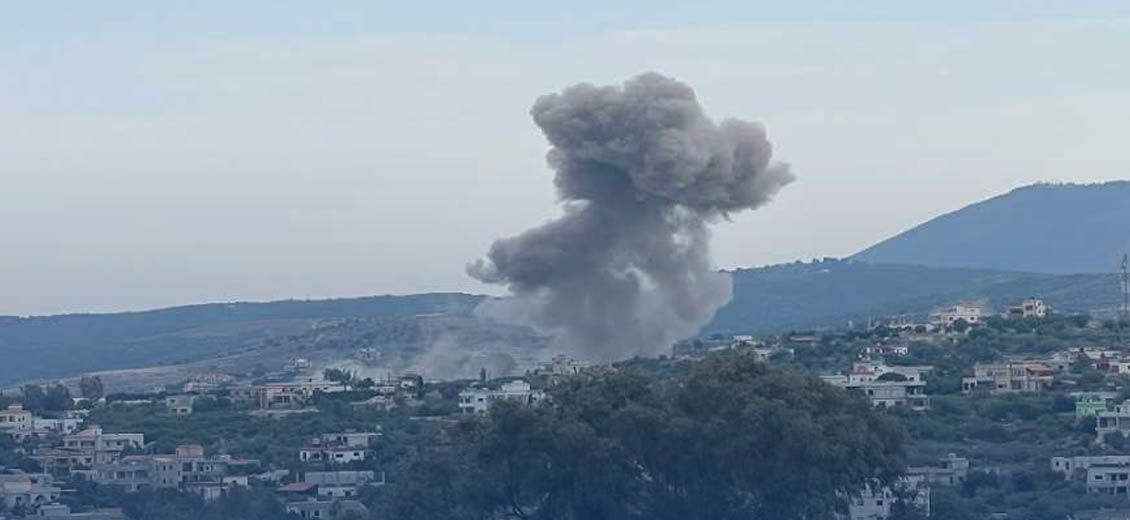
[(179, 404), (30, 491), (886, 386), (948, 317), (479, 400), (1002, 378), (1030, 308), (15, 422)]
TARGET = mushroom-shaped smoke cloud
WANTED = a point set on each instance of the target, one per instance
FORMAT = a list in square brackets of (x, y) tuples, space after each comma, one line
[(641, 172)]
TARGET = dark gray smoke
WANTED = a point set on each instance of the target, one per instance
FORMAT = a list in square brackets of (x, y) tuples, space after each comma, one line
[(641, 172)]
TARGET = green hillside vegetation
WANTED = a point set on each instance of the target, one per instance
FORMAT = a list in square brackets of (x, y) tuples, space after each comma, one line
[(1046, 228), (55, 346), (829, 293)]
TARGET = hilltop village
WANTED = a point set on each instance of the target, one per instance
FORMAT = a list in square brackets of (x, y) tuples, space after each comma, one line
[(1022, 413)]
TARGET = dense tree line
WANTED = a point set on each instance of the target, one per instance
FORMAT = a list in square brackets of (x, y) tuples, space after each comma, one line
[(729, 438)]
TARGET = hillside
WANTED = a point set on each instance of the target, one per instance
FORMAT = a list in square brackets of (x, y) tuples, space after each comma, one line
[(54, 346), (1044, 228), (438, 334), (832, 292)]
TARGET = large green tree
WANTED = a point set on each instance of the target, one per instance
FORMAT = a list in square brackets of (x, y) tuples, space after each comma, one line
[(729, 437)]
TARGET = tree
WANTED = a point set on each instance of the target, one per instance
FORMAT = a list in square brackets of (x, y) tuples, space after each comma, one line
[(960, 326), (728, 438), (337, 375), (91, 387)]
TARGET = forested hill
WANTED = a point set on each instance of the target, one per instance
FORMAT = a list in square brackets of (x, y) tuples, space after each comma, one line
[(830, 293), (52, 346), (1046, 228)]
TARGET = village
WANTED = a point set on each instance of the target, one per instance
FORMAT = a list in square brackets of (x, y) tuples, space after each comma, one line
[(316, 471)]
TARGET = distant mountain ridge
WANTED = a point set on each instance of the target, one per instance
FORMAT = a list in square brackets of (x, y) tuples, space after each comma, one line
[(831, 293), (1041, 228)]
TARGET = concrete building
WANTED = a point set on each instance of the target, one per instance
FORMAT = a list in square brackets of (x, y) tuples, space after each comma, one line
[(950, 471), (295, 393), (1116, 420), (348, 439), (1030, 308), (62, 512), (905, 386), (876, 504), (478, 400), (41, 427), (188, 468), (1109, 479), (1091, 404), (1002, 378), (30, 491), (1069, 465), (327, 508), (339, 484), (15, 422), (948, 317), (562, 366), (97, 447), (331, 454), (179, 404)]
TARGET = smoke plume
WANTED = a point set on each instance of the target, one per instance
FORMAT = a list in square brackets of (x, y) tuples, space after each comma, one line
[(641, 172)]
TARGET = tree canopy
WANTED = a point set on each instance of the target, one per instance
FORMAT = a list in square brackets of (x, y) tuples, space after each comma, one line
[(729, 437)]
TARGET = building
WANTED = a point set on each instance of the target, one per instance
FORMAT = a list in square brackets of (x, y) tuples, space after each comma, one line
[(1069, 465), (41, 427), (348, 439), (948, 317), (30, 491), (62, 512), (179, 404), (1030, 308), (323, 508), (886, 386), (1001, 378), (950, 471), (562, 366), (97, 447), (331, 454), (1091, 404), (295, 393), (188, 468), (1116, 420), (876, 504), (478, 400), (15, 422), (339, 484), (1109, 479)]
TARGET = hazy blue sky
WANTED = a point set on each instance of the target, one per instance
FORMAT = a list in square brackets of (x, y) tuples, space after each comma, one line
[(159, 153)]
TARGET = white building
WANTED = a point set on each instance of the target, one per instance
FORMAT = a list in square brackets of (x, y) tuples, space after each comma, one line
[(905, 387), (478, 400), (331, 454)]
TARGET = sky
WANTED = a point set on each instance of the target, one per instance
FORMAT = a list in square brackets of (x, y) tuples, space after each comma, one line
[(166, 153)]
